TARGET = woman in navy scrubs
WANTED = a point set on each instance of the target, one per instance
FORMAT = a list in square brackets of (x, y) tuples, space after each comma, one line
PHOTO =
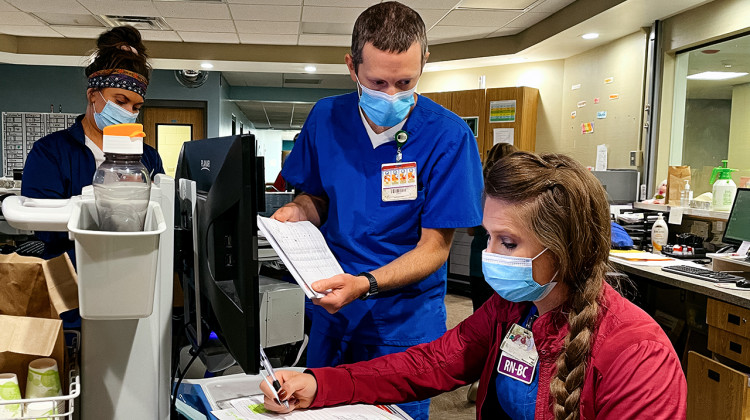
[(62, 163)]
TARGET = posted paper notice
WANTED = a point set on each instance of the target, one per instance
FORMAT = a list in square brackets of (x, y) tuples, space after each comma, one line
[(503, 111), (502, 135)]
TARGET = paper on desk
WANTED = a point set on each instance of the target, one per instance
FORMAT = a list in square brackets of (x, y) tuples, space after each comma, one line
[(251, 408), (304, 251), (632, 255)]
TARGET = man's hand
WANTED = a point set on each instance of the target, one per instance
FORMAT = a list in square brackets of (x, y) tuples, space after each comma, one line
[(297, 388), (342, 289), (291, 212)]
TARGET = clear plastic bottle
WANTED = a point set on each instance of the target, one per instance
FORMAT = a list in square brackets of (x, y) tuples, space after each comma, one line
[(122, 185), (659, 233)]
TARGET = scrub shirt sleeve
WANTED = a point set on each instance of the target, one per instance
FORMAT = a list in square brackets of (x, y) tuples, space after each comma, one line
[(152, 161), (41, 174), (453, 189), (301, 168)]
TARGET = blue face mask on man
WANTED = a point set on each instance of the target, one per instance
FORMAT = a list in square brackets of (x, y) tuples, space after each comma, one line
[(113, 114), (511, 277), (383, 109)]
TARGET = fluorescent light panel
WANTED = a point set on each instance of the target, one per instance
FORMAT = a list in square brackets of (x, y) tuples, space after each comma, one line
[(716, 75)]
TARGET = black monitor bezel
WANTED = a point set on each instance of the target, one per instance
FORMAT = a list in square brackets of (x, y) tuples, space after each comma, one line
[(725, 239)]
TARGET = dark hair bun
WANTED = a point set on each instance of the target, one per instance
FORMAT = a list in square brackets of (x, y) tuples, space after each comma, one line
[(120, 48)]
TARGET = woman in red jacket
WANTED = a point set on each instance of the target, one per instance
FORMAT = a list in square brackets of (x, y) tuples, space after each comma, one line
[(555, 342)]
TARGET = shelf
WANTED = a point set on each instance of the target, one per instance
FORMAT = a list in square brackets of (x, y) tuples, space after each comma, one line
[(707, 214)]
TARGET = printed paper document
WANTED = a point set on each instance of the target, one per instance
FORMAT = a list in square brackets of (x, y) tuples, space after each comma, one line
[(251, 408), (304, 251)]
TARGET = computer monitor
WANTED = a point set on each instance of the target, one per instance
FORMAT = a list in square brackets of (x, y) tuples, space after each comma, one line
[(738, 225), (621, 185), (221, 282)]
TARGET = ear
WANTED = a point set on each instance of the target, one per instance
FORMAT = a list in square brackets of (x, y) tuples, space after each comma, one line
[(350, 65), (424, 62), (90, 95)]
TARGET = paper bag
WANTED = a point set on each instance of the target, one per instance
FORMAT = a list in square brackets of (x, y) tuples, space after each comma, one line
[(676, 183), (33, 294)]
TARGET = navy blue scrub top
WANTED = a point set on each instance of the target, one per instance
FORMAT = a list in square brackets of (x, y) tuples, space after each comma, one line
[(59, 165), (334, 158), (518, 399)]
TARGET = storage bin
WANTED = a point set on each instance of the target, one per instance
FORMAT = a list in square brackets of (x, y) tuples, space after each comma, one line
[(116, 270)]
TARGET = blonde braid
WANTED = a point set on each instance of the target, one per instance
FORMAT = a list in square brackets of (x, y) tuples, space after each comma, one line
[(571, 364)]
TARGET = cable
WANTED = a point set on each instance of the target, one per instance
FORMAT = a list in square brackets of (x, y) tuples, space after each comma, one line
[(182, 376)]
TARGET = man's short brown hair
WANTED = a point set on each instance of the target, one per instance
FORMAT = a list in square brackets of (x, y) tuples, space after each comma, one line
[(389, 26)]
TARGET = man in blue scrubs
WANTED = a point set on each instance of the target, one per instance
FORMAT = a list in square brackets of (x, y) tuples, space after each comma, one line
[(387, 204)]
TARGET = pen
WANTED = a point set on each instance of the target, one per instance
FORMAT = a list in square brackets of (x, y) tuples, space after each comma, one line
[(276, 386)]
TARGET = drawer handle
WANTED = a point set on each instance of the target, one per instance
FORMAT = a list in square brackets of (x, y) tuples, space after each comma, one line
[(735, 347), (712, 374), (733, 319)]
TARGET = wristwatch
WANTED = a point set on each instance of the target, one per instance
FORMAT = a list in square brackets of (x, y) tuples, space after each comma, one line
[(373, 285)]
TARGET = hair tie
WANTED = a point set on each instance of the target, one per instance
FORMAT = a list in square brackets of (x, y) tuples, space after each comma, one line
[(126, 47)]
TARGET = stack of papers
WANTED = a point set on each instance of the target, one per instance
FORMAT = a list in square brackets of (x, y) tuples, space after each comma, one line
[(304, 251), (252, 408), (641, 257)]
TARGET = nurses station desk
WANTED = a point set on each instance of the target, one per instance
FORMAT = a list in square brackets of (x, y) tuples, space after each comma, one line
[(715, 349)]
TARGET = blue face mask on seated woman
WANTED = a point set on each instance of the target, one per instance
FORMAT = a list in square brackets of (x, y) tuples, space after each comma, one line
[(113, 114), (383, 109), (512, 279)]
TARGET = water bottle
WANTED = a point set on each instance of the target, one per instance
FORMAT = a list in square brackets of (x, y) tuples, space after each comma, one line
[(122, 185)]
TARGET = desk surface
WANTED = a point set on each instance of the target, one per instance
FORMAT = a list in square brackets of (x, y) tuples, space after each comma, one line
[(735, 295)]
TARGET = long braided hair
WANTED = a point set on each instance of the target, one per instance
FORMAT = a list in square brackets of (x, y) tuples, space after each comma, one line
[(566, 208)]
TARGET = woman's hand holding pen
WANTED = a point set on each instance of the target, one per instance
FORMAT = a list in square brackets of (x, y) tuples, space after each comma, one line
[(297, 388)]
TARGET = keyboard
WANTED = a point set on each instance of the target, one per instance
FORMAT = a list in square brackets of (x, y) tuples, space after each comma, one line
[(702, 273), (31, 249)]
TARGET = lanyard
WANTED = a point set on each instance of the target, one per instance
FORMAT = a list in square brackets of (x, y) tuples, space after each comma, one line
[(401, 138), (531, 316)]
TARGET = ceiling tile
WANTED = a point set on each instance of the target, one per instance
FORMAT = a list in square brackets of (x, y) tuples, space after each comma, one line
[(69, 19), (552, 6), (505, 32), (431, 16), (317, 28), (208, 37), (458, 33), (268, 39), (494, 4), (120, 7), (431, 4), (479, 18), (331, 14), (43, 31), (342, 3), (326, 40), (269, 2), (19, 19), (236, 78), (68, 6), (266, 27), (528, 19), (78, 32), (195, 10), (160, 36), (5, 7), (201, 25), (271, 13)]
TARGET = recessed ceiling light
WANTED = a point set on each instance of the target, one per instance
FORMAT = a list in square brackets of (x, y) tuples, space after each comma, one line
[(207, 66), (716, 75), (310, 69), (590, 35)]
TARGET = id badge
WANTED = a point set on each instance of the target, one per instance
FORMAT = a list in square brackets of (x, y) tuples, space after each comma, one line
[(399, 181), (518, 357)]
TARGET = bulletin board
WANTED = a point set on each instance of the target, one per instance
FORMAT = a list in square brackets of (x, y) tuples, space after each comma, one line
[(22, 129)]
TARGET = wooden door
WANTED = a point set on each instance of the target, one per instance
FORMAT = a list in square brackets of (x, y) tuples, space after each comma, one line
[(442, 98), (192, 118)]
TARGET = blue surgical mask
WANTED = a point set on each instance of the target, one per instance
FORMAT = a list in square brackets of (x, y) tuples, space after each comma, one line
[(113, 114), (383, 109), (511, 277)]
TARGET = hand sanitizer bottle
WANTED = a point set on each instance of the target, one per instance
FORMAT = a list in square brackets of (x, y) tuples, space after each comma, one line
[(659, 234), (686, 196), (122, 186)]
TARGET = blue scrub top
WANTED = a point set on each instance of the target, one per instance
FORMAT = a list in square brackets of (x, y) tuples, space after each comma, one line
[(334, 158), (59, 165)]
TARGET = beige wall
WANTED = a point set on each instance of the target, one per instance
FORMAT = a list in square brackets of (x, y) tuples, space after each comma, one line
[(622, 59), (739, 133), (546, 76)]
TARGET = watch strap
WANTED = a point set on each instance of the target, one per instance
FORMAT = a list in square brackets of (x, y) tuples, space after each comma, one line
[(373, 285)]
